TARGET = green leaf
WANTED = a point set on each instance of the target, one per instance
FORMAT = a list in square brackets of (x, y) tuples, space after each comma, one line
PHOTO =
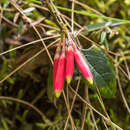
[(5, 3), (34, 1), (104, 39), (103, 36), (12, 54), (103, 72), (41, 125), (4, 68), (11, 80), (5, 125), (24, 116), (96, 26), (85, 13), (49, 22)]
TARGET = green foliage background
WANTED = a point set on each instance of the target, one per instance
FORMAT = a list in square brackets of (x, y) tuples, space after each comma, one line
[(33, 83)]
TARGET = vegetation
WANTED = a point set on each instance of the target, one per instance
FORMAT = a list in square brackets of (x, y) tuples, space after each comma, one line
[(29, 33)]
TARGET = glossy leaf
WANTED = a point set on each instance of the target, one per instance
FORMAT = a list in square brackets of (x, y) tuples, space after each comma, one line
[(103, 72), (96, 26)]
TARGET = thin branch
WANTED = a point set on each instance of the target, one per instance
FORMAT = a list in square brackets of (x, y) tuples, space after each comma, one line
[(103, 106), (92, 114), (84, 108), (10, 22), (127, 68), (40, 95), (68, 108), (1, 14), (120, 88), (74, 98), (105, 124)]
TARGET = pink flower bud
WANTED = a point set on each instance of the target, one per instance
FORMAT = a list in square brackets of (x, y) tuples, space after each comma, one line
[(60, 74), (56, 59), (83, 66), (69, 63)]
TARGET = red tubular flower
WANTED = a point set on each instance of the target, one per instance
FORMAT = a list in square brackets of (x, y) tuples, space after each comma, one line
[(60, 74), (83, 66), (56, 59), (69, 62)]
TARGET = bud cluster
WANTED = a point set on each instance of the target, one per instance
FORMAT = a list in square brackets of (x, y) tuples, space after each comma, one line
[(64, 65)]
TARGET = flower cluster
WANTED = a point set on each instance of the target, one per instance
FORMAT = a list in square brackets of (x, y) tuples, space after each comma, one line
[(64, 65)]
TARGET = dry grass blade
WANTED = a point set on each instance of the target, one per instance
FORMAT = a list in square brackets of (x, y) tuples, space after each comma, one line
[(126, 64), (25, 103), (9, 22), (103, 107), (21, 11), (68, 109), (67, 18), (105, 118), (105, 124), (91, 111), (93, 118), (92, 114), (84, 108), (120, 88), (27, 61), (27, 44), (1, 14), (39, 96), (74, 98)]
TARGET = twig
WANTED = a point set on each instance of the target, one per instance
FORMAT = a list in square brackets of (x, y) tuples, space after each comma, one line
[(103, 106), (92, 114), (105, 124), (91, 111), (68, 108), (10, 22), (120, 88), (127, 68), (1, 14), (38, 96), (30, 43), (84, 108)]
